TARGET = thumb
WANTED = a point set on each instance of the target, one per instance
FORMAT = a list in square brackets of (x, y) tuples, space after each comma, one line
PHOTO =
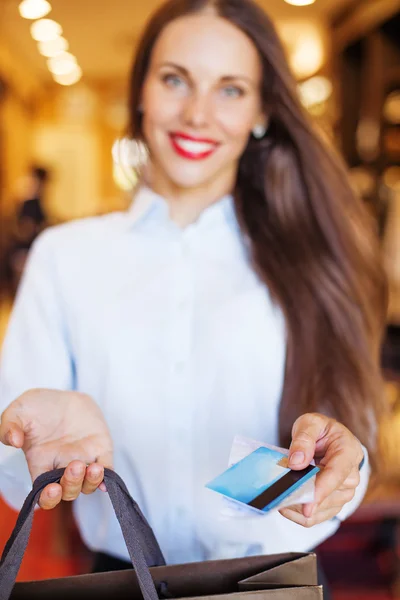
[(306, 432)]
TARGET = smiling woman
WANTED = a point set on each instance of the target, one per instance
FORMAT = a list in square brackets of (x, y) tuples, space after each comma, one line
[(201, 103), (242, 293)]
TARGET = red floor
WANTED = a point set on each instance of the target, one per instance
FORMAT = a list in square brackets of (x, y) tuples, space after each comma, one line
[(48, 555)]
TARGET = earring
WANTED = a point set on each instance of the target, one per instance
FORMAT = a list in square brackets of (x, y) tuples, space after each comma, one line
[(132, 154), (259, 131)]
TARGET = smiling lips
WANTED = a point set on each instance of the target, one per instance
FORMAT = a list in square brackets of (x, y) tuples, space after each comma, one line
[(192, 148)]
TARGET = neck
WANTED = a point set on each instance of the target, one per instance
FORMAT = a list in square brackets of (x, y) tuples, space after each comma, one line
[(187, 204)]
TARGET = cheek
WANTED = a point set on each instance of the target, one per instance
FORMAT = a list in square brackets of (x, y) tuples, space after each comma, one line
[(159, 109), (236, 123)]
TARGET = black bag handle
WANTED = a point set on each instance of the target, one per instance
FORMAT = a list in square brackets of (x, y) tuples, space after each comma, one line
[(140, 540)]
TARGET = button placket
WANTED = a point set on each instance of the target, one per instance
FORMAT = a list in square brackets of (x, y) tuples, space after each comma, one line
[(179, 401)]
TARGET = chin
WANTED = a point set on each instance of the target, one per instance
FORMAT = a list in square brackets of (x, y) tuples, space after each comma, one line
[(189, 179)]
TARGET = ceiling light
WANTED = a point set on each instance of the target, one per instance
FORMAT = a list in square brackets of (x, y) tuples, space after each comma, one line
[(45, 30), (53, 47), (300, 2), (34, 9), (69, 78), (62, 64)]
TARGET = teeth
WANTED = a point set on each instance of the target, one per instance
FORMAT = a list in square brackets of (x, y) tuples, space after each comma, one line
[(194, 147)]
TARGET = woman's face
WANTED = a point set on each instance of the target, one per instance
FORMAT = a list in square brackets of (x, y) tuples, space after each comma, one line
[(200, 101)]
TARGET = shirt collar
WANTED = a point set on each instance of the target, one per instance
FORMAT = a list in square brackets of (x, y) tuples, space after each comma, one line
[(147, 206)]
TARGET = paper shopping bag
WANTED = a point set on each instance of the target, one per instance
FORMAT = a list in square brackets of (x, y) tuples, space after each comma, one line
[(290, 576)]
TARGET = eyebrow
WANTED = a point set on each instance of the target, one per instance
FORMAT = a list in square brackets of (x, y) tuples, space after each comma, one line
[(224, 79)]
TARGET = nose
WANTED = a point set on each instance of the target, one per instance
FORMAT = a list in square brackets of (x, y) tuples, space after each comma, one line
[(197, 110)]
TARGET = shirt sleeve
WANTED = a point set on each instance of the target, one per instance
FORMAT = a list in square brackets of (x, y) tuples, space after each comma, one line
[(35, 354)]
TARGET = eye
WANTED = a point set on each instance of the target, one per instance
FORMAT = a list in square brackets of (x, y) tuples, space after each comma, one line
[(173, 80), (232, 91)]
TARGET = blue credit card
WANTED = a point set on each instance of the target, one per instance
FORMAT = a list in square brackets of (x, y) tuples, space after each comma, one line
[(260, 480)]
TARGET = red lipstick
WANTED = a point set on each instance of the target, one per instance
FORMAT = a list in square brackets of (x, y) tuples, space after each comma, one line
[(185, 146)]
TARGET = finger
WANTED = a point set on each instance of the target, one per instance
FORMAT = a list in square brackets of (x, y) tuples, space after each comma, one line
[(296, 508), (72, 480), (307, 510), (50, 496), (352, 481), (332, 476), (307, 430), (93, 478), (11, 434), (337, 498), (106, 460), (315, 519)]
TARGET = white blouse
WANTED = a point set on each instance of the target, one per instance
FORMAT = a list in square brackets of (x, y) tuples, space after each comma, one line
[(177, 339)]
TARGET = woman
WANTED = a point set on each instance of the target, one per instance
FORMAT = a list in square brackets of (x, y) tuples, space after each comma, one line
[(242, 293)]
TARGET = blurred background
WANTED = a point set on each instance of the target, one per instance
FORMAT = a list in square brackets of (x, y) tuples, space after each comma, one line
[(63, 80)]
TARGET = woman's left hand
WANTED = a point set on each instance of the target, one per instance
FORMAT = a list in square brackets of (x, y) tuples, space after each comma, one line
[(338, 453)]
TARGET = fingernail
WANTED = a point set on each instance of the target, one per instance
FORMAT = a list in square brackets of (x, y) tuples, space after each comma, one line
[(95, 472), (77, 470), (53, 492), (297, 459), (10, 438)]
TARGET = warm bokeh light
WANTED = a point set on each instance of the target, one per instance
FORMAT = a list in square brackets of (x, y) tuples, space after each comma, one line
[(62, 64), (305, 42), (391, 178), (300, 2), (69, 78), (368, 138), (363, 181), (391, 109), (116, 114), (316, 90), (307, 57), (45, 30), (53, 47), (34, 9)]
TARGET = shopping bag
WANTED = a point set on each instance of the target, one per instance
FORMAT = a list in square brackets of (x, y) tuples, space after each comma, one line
[(290, 576)]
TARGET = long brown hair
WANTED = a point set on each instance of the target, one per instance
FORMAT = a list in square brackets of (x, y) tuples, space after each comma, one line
[(312, 242)]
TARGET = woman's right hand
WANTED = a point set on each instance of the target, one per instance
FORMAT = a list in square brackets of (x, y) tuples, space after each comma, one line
[(60, 429)]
